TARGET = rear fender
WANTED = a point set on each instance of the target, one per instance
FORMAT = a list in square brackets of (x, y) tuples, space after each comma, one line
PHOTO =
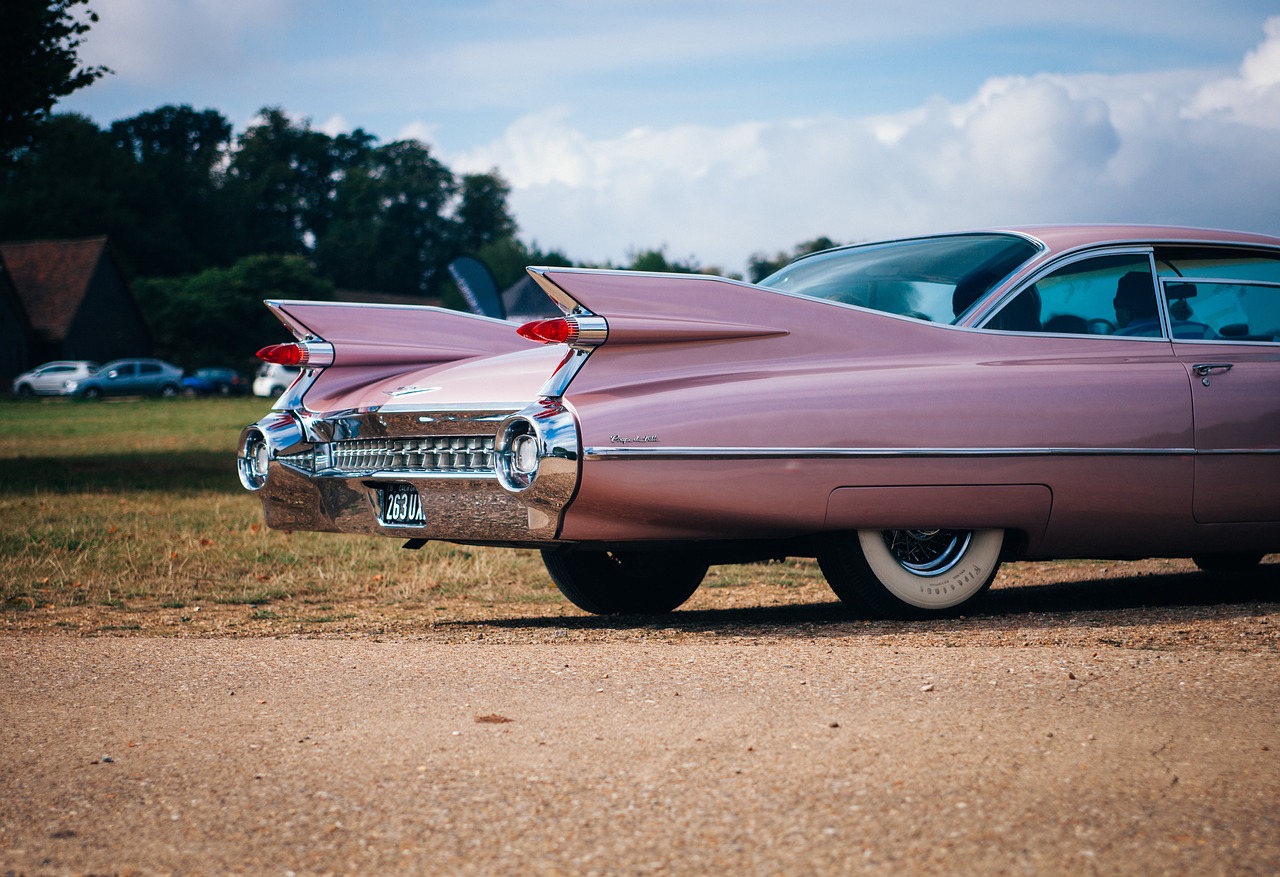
[(373, 342), (677, 345)]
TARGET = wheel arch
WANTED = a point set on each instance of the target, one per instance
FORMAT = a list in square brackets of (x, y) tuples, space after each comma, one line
[(1021, 510)]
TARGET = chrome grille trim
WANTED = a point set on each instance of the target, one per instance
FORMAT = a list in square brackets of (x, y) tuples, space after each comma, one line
[(443, 455), (304, 461)]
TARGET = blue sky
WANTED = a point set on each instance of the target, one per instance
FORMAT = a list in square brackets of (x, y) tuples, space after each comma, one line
[(719, 128)]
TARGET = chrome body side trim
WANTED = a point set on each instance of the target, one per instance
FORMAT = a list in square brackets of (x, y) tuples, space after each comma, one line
[(1215, 452), (694, 453)]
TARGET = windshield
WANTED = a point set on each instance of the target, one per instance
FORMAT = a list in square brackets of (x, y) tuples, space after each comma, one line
[(935, 279)]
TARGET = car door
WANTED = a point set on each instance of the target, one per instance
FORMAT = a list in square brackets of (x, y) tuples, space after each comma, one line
[(50, 378), (122, 379), (150, 375), (1231, 350), (1110, 389)]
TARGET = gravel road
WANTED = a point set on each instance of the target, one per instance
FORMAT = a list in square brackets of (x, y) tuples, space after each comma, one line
[(1133, 741)]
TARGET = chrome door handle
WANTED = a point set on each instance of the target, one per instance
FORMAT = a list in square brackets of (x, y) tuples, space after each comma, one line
[(1203, 369)]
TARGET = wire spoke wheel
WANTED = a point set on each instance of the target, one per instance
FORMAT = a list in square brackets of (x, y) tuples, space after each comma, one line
[(928, 552)]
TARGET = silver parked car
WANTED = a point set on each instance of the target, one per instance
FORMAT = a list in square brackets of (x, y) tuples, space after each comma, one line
[(130, 377), (51, 378), (273, 378)]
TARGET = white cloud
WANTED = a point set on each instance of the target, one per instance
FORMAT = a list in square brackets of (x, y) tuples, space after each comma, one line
[(421, 131), (1253, 96), (1147, 148), (335, 125)]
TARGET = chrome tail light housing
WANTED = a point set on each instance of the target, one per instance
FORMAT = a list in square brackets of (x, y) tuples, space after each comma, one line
[(263, 442), (537, 455)]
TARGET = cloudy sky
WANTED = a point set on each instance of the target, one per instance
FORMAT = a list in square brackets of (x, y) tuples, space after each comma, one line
[(719, 128)]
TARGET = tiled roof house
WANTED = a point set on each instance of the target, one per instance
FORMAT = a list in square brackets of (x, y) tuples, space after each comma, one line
[(76, 302)]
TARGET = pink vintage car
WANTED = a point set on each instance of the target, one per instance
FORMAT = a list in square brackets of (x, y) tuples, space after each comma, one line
[(909, 412)]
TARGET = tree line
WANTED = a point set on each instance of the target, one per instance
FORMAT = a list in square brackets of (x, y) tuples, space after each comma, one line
[(178, 193)]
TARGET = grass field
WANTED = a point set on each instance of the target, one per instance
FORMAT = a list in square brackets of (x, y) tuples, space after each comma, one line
[(136, 504), (121, 515)]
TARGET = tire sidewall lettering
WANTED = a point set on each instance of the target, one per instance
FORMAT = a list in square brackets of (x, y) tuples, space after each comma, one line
[(944, 591)]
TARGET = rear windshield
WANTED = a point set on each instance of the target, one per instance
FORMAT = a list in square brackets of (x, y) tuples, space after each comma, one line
[(935, 279)]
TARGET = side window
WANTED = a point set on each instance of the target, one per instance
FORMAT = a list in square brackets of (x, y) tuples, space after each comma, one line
[(1218, 263), (148, 368), (1224, 310), (1108, 295), (1222, 293)]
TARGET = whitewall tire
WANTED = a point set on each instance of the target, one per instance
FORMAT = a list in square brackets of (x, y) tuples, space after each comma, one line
[(911, 573)]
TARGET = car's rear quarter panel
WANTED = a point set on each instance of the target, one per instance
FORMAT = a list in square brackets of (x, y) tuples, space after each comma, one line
[(1075, 427)]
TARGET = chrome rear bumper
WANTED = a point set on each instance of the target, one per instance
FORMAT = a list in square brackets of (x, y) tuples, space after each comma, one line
[(501, 476)]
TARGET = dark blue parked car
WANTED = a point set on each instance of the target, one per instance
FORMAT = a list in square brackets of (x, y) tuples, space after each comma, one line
[(215, 381)]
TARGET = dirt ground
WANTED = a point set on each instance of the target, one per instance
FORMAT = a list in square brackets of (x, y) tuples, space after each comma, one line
[(1085, 719), (1145, 603)]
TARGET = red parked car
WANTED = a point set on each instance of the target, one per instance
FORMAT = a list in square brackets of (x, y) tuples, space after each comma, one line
[(910, 412)]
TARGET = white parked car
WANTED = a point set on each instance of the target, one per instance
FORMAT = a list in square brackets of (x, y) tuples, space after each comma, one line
[(273, 379), (51, 378)]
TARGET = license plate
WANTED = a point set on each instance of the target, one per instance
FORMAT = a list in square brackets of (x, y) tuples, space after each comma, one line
[(400, 505)]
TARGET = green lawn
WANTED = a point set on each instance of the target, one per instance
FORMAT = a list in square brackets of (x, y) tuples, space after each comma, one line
[(136, 503)]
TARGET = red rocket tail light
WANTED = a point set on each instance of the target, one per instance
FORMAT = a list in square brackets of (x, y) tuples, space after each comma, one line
[(283, 354), (301, 354), (580, 331), (561, 330)]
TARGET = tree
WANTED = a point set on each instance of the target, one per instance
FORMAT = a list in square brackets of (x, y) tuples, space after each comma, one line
[(401, 217), (281, 182), (178, 194), (217, 317), (507, 257), (39, 64), (415, 239), (482, 212), (152, 183), (656, 260), (761, 266)]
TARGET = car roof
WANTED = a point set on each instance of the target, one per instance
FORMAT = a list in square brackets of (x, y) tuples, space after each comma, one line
[(1058, 238)]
